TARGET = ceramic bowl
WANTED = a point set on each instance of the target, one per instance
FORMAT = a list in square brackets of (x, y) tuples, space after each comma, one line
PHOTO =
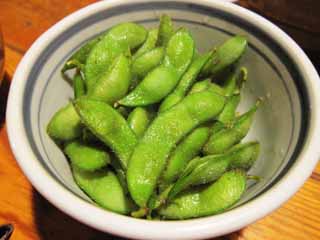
[(287, 124)]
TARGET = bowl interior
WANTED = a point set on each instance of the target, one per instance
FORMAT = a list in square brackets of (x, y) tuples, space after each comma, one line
[(278, 123)]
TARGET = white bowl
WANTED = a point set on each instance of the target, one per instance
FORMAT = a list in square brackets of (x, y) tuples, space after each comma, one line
[(287, 124)]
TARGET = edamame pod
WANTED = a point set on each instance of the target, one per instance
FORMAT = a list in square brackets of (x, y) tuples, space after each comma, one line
[(148, 45), (104, 188), (65, 124), (149, 156), (203, 170), (212, 199), (225, 55), (86, 157), (113, 84), (117, 40), (229, 111), (78, 85), (180, 51), (184, 152), (165, 30), (206, 84), (155, 86), (246, 155), (79, 58), (185, 83), (138, 121), (208, 169), (109, 126), (227, 137), (162, 80), (146, 62)]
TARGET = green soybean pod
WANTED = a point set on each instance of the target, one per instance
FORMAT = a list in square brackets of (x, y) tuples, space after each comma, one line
[(155, 86), (146, 62), (206, 84), (185, 83), (227, 137), (228, 113), (166, 30), (104, 188), (184, 152), (179, 51), (148, 45), (212, 199), (78, 59), (138, 121), (208, 169), (86, 157), (109, 126), (117, 40), (162, 80), (203, 170), (226, 55), (65, 125), (246, 155), (79, 87), (167, 129), (113, 84)]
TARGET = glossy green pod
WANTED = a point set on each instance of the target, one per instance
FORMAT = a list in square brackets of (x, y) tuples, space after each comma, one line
[(148, 45), (206, 84), (146, 62), (138, 121), (78, 59), (162, 80), (117, 40), (86, 157), (112, 85), (246, 154), (155, 86), (167, 129), (208, 169), (65, 125), (225, 55), (185, 83), (228, 113), (201, 171), (189, 147), (229, 136), (109, 126), (79, 87), (180, 51), (166, 30), (208, 200), (104, 188)]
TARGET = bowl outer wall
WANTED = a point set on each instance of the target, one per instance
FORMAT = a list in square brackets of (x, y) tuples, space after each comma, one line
[(142, 229)]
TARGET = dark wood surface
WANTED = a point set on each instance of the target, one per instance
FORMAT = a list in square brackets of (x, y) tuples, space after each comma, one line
[(35, 218)]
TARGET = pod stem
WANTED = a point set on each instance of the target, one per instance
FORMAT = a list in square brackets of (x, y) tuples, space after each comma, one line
[(140, 213), (254, 177)]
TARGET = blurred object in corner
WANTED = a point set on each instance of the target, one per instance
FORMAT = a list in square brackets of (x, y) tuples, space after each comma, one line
[(6, 231), (1, 56), (299, 18)]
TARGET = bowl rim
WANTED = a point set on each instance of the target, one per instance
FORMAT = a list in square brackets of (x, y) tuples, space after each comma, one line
[(141, 229)]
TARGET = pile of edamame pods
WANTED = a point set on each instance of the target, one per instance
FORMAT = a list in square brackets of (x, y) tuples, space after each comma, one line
[(153, 131)]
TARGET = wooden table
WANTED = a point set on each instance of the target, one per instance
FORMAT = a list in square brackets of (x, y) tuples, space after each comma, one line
[(35, 218)]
